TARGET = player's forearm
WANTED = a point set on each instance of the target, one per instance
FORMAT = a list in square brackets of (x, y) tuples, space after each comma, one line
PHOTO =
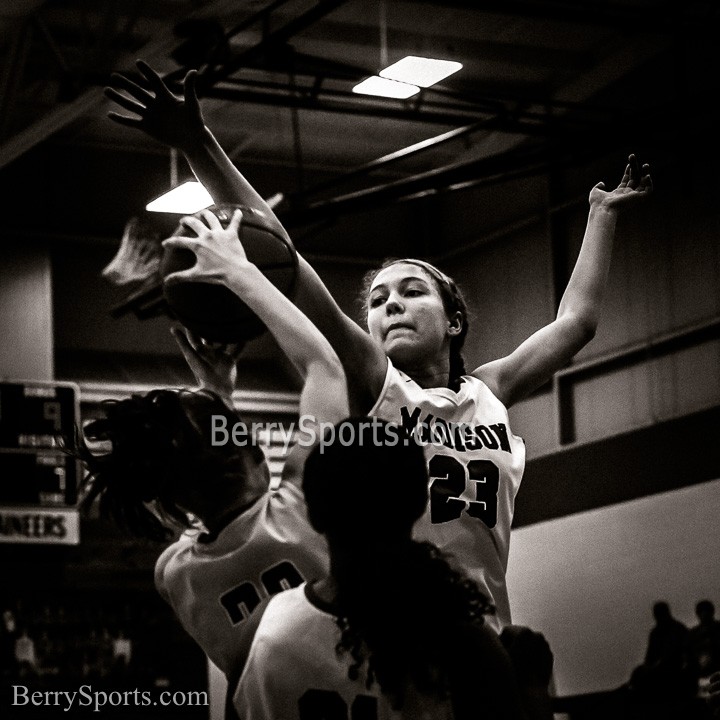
[(351, 343), (225, 183), (296, 335), (324, 397), (583, 296), (361, 359), (222, 391)]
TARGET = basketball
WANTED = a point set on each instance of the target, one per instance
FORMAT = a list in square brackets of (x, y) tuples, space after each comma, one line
[(212, 311)]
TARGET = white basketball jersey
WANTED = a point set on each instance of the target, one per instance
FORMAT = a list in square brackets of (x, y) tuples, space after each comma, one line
[(214, 586), (293, 672), (475, 465)]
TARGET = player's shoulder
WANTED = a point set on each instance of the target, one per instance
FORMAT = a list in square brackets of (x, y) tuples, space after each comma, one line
[(475, 382), (479, 391), (247, 640), (288, 491), (162, 564), (182, 545), (272, 612)]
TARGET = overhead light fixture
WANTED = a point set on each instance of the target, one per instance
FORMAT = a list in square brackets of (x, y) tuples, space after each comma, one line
[(383, 87), (420, 71), (184, 199)]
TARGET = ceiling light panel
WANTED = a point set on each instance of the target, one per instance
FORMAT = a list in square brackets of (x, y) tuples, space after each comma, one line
[(420, 71), (383, 87), (185, 199)]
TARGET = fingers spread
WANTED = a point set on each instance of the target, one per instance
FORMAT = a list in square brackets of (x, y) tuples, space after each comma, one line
[(190, 344), (195, 340), (154, 80), (190, 84), (122, 120), (181, 276), (218, 348), (124, 83), (123, 101), (177, 242), (195, 224), (190, 94), (234, 224), (181, 338), (626, 177), (211, 219)]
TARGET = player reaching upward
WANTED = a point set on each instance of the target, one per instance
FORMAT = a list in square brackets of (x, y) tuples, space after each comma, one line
[(409, 367), (159, 450)]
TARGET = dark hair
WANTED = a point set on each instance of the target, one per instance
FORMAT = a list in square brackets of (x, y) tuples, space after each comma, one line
[(398, 599), (158, 442), (530, 654), (661, 610), (705, 606), (453, 301)]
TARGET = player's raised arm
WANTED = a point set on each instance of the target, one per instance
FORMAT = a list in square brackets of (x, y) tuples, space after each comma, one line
[(221, 259), (214, 365), (549, 349), (178, 122)]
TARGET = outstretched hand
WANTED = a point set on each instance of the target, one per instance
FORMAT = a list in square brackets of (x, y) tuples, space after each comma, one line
[(217, 251), (164, 116), (214, 365), (635, 184)]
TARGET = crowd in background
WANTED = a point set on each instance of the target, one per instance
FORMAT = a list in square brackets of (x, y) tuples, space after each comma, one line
[(674, 676), (91, 637)]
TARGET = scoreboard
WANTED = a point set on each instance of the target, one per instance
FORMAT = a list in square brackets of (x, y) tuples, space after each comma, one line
[(38, 479)]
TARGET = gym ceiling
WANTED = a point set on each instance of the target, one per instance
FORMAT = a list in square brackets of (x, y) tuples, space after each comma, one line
[(544, 84)]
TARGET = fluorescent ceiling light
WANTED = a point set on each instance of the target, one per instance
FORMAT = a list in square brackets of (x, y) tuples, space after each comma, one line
[(420, 71), (185, 199), (386, 88)]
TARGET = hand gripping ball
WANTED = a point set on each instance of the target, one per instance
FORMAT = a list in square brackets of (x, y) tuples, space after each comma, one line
[(213, 311)]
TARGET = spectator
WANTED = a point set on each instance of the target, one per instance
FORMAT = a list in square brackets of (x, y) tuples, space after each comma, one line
[(704, 641), (663, 674), (25, 655)]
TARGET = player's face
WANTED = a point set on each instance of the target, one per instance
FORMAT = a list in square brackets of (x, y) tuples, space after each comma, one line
[(406, 315)]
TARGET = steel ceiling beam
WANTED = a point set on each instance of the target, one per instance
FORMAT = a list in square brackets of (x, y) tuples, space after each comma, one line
[(391, 158), (89, 99), (12, 72), (294, 211), (664, 17), (515, 163), (210, 76), (262, 16), (512, 119)]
